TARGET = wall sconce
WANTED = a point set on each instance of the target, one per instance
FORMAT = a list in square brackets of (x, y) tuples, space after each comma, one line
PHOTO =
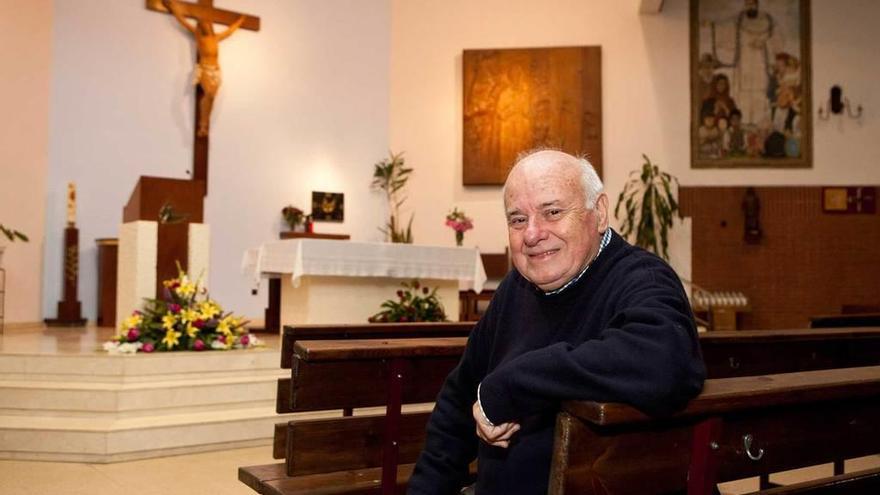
[(837, 103)]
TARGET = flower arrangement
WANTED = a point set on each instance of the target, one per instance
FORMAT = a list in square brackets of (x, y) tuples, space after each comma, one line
[(185, 319), (413, 303), (460, 223), (293, 216)]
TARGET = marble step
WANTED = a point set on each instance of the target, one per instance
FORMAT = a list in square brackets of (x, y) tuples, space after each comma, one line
[(28, 397), (105, 368), (108, 408), (102, 441)]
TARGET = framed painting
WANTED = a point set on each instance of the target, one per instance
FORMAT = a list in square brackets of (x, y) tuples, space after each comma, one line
[(520, 99), (328, 206), (751, 105)]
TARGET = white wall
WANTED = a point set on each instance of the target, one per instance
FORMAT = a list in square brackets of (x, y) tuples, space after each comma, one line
[(303, 107), (645, 105), (25, 52)]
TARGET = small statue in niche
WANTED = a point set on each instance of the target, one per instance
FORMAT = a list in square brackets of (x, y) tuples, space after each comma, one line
[(751, 207)]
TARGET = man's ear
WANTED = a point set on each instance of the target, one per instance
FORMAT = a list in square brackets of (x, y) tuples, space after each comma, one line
[(601, 209)]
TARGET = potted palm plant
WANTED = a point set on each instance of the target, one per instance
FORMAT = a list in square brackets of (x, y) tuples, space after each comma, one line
[(390, 176), (649, 207)]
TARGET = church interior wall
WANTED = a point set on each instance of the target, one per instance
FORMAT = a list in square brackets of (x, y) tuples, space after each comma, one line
[(25, 52), (303, 107), (326, 88), (645, 95)]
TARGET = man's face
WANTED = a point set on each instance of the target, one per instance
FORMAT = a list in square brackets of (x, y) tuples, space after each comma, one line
[(552, 234)]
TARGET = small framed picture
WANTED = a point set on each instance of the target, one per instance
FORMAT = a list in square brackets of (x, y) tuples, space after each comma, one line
[(328, 206)]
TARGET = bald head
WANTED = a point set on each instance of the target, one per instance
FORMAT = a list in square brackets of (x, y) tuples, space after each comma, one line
[(556, 213), (552, 163)]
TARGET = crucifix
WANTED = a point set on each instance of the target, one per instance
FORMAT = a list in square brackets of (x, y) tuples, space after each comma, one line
[(206, 76)]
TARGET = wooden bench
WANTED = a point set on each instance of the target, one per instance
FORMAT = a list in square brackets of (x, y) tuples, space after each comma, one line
[(359, 453), (736, 428)]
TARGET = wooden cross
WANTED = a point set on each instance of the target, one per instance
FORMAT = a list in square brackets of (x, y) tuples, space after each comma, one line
[(205, 14)]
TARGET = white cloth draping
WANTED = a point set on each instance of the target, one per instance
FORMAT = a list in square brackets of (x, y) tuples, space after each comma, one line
[(299, 257)]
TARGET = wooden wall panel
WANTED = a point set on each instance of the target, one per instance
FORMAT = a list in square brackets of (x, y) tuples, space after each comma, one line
[(807, 263)]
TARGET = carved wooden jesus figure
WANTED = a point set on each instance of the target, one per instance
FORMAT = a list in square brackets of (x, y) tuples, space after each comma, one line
[(207, 70)]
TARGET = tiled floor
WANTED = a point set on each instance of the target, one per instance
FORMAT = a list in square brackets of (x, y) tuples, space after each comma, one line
[(211, 473)]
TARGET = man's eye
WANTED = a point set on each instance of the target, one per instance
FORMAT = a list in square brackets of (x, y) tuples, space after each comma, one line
[(515, 221), (553, 213)]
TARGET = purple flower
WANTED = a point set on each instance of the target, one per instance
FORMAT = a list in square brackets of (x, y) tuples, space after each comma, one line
[(174, 308), (244, 340), (133, 334), (199, 345), (148, 347)]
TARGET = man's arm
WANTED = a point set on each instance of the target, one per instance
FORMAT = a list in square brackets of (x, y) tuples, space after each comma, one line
[(648, 357), (451, 442)]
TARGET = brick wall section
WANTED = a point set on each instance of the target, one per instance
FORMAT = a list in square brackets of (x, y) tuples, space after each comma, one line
[(808, 262)]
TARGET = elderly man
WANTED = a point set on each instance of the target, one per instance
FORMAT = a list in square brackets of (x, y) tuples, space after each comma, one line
[(583, 316)]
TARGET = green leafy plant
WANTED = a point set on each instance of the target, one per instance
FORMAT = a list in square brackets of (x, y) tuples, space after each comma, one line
[(413, 303), (390, 176), (13, 234), (649, 206)]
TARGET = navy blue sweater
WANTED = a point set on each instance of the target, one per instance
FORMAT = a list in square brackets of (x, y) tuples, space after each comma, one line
[(624, 332)]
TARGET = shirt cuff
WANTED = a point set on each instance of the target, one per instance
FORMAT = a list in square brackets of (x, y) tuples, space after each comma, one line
[(480, 406)]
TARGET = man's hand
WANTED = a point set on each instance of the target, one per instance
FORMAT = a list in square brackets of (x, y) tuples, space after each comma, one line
[(499, 436)]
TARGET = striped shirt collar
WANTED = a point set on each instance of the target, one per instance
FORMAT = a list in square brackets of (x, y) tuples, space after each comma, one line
[(606, 238)]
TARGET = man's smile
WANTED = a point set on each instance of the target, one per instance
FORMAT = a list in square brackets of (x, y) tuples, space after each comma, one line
[(543, 254)]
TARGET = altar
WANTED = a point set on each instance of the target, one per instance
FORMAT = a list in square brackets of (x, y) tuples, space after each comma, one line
[(332, 281)]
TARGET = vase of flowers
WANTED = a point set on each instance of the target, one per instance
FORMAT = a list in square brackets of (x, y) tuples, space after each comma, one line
[(294, 217), (184, 319), (460, 223), (414, 303)]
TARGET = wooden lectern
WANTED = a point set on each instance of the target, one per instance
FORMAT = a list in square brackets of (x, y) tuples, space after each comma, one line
[(174, 204)]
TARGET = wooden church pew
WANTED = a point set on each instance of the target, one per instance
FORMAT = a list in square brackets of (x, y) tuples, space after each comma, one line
[(736, 428), (360, 453), (727, 354)]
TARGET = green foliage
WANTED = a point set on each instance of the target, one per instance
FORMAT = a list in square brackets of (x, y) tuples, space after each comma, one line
[(413, 303), (13, 234), (390, 176), (649, 205)]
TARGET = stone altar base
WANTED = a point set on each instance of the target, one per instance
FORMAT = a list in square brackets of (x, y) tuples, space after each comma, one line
[(88, 406)]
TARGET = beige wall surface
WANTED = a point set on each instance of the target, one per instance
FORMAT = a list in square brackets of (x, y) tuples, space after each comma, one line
[(303, 107), (25, 52), (646, 97)]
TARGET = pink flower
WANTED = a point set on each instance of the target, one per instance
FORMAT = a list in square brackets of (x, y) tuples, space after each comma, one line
[(133, 334), (199, 324), (222, 338), (174, 308), (148, 347), (199, 345), (244, 340)]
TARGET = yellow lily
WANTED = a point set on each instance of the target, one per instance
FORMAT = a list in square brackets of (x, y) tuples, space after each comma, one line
[(168, 321), (171, 339)]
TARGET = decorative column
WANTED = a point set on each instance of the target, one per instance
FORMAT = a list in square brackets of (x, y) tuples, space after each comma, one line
[(69, 307)]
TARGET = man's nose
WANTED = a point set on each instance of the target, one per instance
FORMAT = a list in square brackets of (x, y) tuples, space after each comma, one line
[(535, 232)]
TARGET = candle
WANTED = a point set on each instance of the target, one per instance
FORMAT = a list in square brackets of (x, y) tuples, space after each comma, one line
[(71, 204)]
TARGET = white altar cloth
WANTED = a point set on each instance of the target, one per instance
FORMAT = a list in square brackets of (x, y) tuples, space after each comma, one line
[(299, 257), (335, 282)]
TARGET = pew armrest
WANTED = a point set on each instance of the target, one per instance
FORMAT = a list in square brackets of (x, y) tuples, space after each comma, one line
[(723, 395)]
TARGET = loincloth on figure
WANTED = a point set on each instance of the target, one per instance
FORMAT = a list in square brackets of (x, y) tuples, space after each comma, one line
[(210, 73)]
